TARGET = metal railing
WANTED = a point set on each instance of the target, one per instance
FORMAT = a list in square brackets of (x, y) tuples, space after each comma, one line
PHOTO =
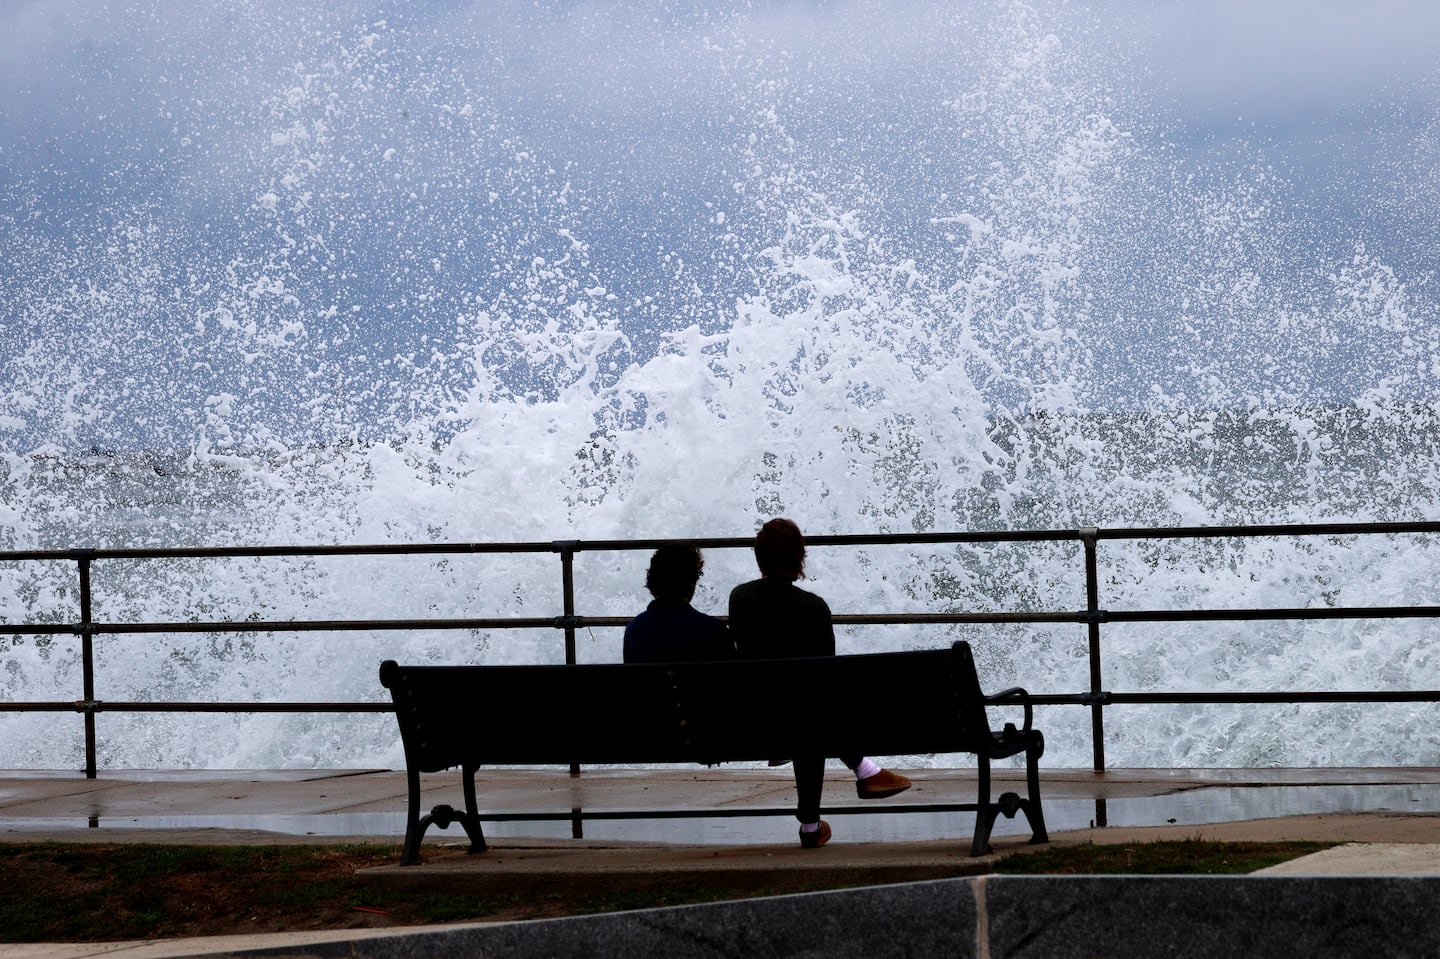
[(1092, 615)]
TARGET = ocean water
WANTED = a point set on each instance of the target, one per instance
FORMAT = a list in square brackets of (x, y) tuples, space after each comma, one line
[(454, 274)]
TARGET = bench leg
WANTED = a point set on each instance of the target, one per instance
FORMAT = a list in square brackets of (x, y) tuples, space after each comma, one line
[(471, 820), (1033, 813), (985, 812), (414, 829), (442, 816)]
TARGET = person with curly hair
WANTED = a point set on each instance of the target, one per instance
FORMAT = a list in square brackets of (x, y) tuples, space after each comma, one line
[(670, 629)]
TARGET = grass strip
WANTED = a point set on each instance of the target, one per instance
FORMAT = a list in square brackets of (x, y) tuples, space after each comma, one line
[(85, 892)]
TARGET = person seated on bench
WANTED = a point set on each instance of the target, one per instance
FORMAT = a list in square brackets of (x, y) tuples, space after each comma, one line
[(773, 618), (670, 629)]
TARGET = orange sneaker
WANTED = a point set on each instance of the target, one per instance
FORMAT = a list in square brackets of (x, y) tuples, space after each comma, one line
[(882, 784)]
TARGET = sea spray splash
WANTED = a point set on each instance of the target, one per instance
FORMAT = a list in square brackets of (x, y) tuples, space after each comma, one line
[(394, 288)]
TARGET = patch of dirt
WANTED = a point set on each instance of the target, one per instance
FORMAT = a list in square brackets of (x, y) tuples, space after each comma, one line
[(97, 892)]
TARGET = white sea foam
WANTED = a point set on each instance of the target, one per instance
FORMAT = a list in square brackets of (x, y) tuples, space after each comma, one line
[(989, 298)]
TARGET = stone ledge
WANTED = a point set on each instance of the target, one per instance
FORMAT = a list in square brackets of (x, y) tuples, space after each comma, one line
[(992, 917)]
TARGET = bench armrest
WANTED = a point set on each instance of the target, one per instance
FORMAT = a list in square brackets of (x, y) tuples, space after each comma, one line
[(1013, 695)]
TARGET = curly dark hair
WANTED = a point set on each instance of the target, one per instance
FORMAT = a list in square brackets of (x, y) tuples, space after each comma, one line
[(780, 550), (674, 570)]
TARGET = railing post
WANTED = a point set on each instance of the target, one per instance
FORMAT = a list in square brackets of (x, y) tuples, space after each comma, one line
[(1090, 536), (567, 590), (87, 658)]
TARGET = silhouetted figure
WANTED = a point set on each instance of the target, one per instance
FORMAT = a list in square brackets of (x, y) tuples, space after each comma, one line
[(773, 618), (671, 630)]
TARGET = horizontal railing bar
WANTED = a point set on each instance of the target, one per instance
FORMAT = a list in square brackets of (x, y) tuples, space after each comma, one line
[(331, 625), (1034, 699), (840, 619), (224, 552), (715, 812), (1272, 696), (920, 619), (842, 539), (1340, 696), (529, 622), (1147, 615), (315, 625), (118, 706), (857, 539), (1302, 612), (556, 546), (1047, 699), (1040, 535), (1275, 529)]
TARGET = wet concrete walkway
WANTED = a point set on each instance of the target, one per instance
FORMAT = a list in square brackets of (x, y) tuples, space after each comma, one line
[(749, 806)]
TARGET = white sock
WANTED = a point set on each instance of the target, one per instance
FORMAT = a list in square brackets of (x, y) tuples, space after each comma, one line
[(810, 826), (866, 769)]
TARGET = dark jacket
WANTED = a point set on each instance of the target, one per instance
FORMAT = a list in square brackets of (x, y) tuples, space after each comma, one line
[(676, 632), (770, 618)]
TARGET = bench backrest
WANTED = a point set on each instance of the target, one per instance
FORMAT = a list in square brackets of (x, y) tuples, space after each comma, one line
[(925, 701)]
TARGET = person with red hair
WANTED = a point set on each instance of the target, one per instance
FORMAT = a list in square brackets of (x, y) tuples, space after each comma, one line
[(772, 618)]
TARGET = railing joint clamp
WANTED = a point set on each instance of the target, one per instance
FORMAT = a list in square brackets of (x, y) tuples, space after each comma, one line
[(87, 705), (1100, 697), (565, 545), (1089, 616), (569, 622)]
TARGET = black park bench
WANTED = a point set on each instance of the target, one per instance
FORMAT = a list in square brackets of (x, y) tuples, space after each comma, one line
[(878, 704)]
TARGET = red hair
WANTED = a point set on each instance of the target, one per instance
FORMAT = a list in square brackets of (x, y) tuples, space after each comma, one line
[(780, 550)]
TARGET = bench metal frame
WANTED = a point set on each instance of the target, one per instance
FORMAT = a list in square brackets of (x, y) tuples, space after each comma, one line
[(917, 702)]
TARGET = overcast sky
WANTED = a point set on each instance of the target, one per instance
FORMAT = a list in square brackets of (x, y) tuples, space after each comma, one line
[(265, 139), (1220, 66), (1289, 62)]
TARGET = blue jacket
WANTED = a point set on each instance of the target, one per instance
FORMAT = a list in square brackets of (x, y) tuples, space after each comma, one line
[(676, 632)]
